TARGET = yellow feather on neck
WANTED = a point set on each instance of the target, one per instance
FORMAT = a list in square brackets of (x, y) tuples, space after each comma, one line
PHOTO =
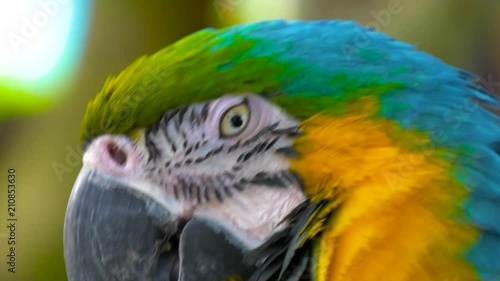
[(398, 219)]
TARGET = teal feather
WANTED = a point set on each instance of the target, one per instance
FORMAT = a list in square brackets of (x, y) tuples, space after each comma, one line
[(330, 62)]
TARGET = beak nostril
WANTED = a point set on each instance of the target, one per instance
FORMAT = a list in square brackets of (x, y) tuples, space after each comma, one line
[(117, 154)]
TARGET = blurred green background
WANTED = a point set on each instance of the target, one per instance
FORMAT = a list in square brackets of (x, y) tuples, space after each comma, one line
[(48, 74)]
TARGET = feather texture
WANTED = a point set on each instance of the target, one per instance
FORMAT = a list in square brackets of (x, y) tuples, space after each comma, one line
[(404, 137)]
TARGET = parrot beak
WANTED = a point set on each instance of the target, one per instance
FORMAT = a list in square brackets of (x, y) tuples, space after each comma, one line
[(115, 232)]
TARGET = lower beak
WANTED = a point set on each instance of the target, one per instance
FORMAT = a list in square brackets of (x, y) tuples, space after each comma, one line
[(115, 232)]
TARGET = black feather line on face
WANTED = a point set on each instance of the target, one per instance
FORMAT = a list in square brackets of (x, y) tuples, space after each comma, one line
[(269, 179), (153, 151), (173, 136), (287, 151)]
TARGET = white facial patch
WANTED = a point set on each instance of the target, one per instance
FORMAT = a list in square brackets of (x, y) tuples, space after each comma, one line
[(222, 160)]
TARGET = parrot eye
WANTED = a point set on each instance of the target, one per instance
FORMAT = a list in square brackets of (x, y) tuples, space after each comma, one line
[(235, 120)]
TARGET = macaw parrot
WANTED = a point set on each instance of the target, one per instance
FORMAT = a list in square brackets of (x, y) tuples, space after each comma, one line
[(288, 150)]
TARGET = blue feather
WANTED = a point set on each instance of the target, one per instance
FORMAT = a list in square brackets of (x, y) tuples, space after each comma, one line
[(436, 98)]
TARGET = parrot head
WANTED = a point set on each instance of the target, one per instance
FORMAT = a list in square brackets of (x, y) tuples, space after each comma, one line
[(249, 152)]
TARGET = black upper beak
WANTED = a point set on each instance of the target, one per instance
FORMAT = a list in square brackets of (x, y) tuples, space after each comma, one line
[(114, 232)]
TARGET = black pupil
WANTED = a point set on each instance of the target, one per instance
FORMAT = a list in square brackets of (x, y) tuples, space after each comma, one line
[(236, 121)]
